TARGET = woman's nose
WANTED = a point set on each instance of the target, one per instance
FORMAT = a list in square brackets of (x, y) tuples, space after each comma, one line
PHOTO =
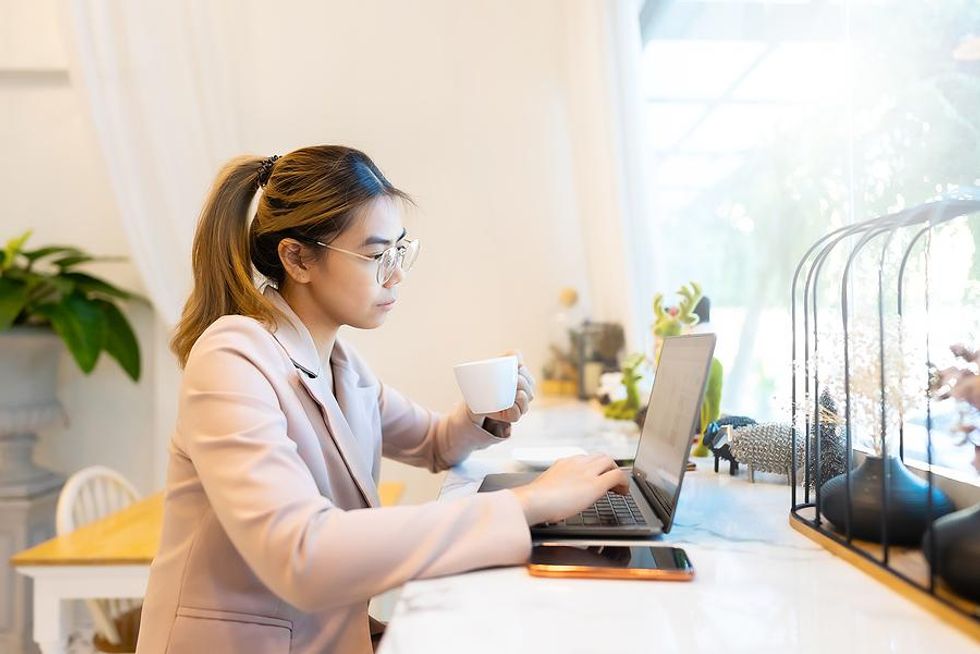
[(396, 277)]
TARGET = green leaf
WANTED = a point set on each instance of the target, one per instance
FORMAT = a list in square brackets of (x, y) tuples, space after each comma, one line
[(75, 259), (72, 260), (120, 341), (34, 255), (13, 248), (89, 284), (41, 289), (81, 324), (13, 297)]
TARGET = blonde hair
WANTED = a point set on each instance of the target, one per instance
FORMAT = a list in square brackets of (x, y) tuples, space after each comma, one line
[(310, 193)]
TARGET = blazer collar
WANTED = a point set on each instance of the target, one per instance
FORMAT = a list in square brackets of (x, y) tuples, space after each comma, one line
[(343, 407), (295, 337)]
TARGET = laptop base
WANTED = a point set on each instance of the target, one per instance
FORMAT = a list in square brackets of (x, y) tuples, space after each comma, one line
[(653, 526)]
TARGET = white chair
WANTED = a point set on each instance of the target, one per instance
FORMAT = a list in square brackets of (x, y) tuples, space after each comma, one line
[(90, 494)]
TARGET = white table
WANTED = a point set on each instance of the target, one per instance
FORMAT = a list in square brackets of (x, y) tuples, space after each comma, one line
[(760, 586)]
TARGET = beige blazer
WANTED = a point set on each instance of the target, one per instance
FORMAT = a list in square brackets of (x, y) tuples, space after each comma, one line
[(273, 538)]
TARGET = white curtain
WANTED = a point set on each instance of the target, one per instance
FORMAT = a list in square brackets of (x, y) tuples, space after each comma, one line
[(604, 50), (159, 87), (155, 77)]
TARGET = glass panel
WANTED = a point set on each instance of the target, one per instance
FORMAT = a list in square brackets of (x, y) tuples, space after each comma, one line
[(771, 123)]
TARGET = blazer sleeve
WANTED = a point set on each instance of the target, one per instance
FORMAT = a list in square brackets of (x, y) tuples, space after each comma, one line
[(308, 551), (413, 434)]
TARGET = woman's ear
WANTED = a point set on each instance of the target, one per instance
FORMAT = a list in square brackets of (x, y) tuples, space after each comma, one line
[(294, 261)]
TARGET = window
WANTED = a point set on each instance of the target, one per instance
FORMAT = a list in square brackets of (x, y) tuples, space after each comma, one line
[(773, 122)]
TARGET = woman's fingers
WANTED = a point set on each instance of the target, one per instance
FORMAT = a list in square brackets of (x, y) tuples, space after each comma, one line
[(601, 464), (524, 385), (616, 481), (523, 401), (610, 476), (525, 372), (516, 410)]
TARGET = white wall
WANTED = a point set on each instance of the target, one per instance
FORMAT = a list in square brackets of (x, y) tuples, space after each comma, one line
[(474, 108), (53, 181), (465, 106)]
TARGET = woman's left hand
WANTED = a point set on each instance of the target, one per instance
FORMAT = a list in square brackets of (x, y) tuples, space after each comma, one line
[(522, 398)]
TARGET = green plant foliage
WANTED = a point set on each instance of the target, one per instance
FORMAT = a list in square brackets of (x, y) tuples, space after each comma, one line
[(42, 288)]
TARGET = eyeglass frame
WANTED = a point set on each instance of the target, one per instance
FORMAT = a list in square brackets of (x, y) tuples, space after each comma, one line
[(399, 248)]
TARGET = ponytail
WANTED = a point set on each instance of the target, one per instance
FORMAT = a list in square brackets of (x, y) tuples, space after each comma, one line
[(221, 259)]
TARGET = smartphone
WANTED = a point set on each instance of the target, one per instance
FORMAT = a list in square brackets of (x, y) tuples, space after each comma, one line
[(610, 562)]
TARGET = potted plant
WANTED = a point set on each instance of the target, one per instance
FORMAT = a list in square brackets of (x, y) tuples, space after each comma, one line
[(44, 299)]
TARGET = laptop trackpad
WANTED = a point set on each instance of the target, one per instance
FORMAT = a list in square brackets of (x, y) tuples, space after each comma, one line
[(500, 481)]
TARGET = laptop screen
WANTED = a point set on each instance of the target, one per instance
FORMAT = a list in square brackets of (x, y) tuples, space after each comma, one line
[(673, 416)]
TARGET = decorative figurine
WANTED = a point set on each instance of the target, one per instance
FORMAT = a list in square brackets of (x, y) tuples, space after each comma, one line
[(711, 405), (718, 436), (765, 447), (626, 408), (674, 321)]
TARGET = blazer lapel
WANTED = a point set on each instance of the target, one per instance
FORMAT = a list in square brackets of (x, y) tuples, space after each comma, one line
[(298, 343), (359, 405), (343, 437)]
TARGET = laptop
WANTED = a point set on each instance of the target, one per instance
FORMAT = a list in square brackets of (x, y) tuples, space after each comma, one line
[(661, 458)]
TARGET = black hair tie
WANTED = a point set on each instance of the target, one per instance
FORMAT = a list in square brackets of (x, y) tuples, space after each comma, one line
[(265, 169)]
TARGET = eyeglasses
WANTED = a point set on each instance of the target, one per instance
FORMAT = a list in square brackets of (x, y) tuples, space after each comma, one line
[(402, 255)]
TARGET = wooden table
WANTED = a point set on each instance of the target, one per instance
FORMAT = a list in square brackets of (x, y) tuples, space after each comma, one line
[(107, 558)]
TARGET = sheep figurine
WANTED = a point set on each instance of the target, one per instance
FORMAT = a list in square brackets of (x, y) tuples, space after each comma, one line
[(765, 447)]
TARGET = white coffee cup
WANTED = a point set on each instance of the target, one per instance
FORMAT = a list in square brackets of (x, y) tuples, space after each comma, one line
[(489, 385)]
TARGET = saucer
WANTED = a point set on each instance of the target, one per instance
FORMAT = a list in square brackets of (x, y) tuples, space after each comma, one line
[(544, 457)]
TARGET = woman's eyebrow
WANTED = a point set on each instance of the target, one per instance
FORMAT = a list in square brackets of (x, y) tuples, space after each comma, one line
[(381, 240)]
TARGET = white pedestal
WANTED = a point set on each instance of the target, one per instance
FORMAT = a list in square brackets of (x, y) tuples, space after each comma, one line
[(24, 522)]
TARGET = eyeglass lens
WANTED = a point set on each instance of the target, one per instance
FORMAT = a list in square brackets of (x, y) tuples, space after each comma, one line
[(402, 256)]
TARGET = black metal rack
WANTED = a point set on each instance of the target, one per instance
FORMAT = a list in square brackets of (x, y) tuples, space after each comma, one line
[(917, 225)]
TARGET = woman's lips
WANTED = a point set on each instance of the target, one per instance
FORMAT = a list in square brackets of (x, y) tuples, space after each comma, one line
[(387, 305)]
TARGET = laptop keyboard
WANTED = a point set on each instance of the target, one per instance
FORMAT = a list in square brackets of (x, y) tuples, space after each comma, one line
[(610, 510)]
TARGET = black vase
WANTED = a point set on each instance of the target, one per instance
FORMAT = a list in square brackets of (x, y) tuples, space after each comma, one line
[(908, 511), (957, 560)]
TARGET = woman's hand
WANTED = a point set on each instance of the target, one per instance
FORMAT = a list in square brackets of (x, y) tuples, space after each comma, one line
[(569, 486), (522, 398)]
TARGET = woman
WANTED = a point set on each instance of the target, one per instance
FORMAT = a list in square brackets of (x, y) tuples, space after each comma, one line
[(273, 538)]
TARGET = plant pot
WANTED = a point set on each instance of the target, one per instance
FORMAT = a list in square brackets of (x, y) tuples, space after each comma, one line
[(28, 376), (908, 511), (957, 560)]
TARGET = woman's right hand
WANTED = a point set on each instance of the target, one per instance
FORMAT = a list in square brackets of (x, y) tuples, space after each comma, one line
[(570, 486)]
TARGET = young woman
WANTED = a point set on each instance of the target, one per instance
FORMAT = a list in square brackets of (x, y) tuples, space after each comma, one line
[(273, 537)]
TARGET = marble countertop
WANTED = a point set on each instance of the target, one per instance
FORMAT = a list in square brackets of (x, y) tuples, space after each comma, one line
[(759, 586)]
